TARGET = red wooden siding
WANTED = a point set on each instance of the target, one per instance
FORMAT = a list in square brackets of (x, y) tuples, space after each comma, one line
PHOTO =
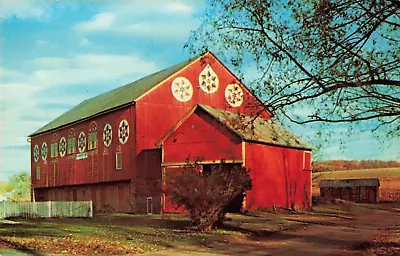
[(158, 111), (168, 206), (99, 166), (113, 196), (201, 136), (278, 177)]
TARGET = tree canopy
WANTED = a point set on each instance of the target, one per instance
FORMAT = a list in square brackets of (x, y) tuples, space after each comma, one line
[(331, 61), (20, 185)]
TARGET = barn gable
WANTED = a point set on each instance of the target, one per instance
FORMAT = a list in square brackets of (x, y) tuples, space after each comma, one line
[(248, 128), (127, 94)]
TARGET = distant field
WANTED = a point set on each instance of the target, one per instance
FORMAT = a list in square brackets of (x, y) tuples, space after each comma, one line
[(362, 173)]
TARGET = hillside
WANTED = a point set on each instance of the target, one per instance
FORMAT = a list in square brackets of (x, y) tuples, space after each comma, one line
[(340, 165), (364, 173)]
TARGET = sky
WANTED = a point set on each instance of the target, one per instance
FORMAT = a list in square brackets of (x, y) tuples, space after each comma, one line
[(56, 53)]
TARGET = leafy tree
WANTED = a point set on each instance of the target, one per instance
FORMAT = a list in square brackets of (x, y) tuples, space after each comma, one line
[(20, 185), (206, 195), (3, 188), (338, 60)]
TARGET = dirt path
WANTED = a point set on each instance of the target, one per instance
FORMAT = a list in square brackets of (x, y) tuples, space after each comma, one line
[(314, 235)]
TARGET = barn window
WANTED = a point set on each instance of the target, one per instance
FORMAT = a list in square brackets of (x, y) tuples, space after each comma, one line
[(38, 173), (71, 146), (306, 161), (118, 161), (92, 140), (54, 150)]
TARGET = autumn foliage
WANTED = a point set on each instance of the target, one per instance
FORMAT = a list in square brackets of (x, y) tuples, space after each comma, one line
[(206, 194)]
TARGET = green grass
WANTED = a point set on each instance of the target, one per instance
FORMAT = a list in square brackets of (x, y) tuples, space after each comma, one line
[(124, 234), (107, 234), (363, 173)]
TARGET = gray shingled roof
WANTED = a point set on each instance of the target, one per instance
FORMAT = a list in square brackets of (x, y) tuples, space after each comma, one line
[(348, 183), (249, 128), (113, 99), (258, 129)]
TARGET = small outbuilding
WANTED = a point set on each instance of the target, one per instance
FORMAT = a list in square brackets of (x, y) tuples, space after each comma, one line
[(356, 190)]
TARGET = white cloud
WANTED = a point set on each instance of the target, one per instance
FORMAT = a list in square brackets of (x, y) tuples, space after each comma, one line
[(49, 62), (143, 20), (26, 104), (9, 73), (42, 43), (302, 112), (84, 42), (178, 7), (101, 21), (25, 9), (91, 69), (158, 29)]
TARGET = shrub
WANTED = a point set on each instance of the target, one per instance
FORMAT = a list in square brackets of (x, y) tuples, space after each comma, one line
[(205, 194)]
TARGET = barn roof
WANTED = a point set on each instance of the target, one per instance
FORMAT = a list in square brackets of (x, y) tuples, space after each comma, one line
[(114, 99), (348, 183), (249, 128)]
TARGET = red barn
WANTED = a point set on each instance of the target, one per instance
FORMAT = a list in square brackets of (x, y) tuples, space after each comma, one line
[(115, 148)]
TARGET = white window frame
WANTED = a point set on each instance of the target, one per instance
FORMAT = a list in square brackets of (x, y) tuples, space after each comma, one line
[(54, 150), (149, 199), (73, 151), (92, 142), (37, 173), (118, 164)]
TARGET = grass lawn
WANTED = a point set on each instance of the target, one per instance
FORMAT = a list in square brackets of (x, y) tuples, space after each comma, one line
[(257, 233), (104, 234), (121, 234)]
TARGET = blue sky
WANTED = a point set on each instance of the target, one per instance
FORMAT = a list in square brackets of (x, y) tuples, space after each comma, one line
[(56, 53)]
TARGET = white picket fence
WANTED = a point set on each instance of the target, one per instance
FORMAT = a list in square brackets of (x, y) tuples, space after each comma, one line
[(46, 209)]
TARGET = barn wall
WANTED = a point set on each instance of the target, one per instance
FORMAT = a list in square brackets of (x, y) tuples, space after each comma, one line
[(361, 194), (389, 189), (147, 180), (106, 197), (387, 192), (167, 205), (278, 177), (158, 111), (202, 137), (99, 166)]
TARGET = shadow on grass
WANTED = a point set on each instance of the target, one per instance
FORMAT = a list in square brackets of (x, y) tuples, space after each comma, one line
[(257, 234), (19, 247), (368, 245)]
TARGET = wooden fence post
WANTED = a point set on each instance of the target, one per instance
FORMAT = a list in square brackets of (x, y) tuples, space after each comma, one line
[(49, 209), (91, 209)]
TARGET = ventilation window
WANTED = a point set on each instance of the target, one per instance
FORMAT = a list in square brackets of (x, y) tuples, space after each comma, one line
[(71, 146), (38, 173), (92, 138), (54, 150), (118, 161), (92, 141)]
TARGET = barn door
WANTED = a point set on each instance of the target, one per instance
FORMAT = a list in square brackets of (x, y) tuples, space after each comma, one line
[(74, 195)]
